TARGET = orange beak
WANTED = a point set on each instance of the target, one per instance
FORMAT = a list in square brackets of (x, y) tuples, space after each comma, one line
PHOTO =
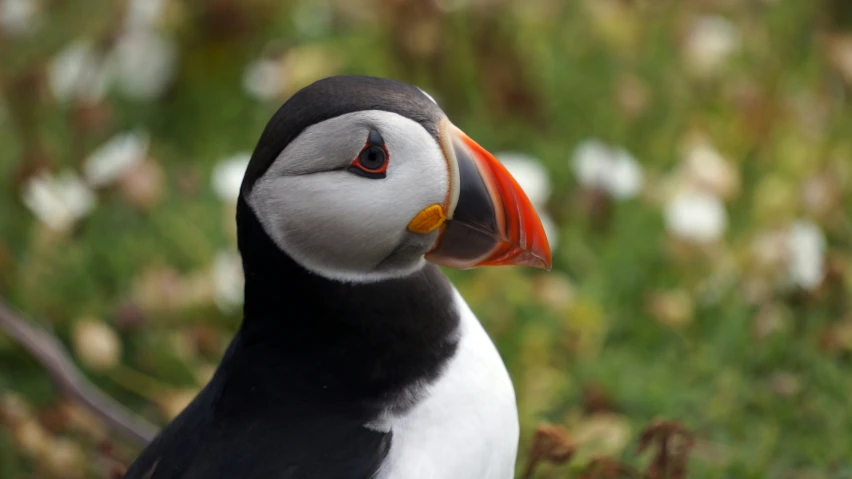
[(491, 222)]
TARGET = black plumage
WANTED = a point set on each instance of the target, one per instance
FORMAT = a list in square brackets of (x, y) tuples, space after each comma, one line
[(314, 360)]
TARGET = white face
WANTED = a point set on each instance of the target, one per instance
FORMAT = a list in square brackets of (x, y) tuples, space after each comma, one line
[(343, 225)]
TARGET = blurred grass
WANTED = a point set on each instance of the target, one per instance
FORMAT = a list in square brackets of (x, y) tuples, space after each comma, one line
[(653, 324)]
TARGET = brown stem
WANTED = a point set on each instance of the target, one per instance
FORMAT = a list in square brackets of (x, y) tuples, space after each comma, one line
[(48, 351), (532, 463)]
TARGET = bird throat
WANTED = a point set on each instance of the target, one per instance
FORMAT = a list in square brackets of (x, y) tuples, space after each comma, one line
[(366, 342)]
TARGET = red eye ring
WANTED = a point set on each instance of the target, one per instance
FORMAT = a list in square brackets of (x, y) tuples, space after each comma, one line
[(372, 161)]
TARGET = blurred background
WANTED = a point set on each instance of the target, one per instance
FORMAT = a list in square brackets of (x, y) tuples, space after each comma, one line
[(692, 161)]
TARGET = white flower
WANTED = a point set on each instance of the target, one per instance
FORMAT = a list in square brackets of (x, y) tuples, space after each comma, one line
[(611, 169), (58, 201), (115, 157), (626, 178), (228, 280), (96, 344), (591, 162), (530, 174), (806, 249), (143, 62), (143, 14), (696, 216), (228, 176), (707, 169), (78, 72), (709, 43), (18, 17), (264, 79)]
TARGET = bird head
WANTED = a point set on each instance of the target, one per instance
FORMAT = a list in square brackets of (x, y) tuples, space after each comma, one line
[(362, 179)]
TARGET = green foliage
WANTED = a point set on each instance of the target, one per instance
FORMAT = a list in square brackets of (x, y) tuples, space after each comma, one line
[(709, 333)]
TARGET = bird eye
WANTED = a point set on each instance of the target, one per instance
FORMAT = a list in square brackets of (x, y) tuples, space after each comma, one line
[(372, 162), (372, 157)]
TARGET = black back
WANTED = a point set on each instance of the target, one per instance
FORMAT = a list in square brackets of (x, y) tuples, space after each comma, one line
[(315, 359)]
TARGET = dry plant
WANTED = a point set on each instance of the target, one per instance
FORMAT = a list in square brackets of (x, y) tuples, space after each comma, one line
[(670, 443), (551, 443), (673, 445)]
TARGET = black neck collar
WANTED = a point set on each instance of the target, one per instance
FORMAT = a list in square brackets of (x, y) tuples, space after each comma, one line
[(364, 342)]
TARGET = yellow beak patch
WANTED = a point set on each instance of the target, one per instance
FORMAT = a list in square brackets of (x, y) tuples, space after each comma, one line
[(428, 220)]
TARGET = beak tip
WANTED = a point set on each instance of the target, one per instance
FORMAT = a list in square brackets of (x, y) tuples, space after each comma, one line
[(535, 258), (544, 262), (537, 251)]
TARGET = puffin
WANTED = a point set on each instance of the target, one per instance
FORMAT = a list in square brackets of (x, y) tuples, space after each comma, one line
[(356, 357)]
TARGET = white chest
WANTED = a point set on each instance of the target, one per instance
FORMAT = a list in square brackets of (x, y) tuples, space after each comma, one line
[(467, 425)]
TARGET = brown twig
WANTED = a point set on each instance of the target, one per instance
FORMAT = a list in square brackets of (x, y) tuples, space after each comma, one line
[(48, 351), (552, 444), (674, 444), (607, 468)]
